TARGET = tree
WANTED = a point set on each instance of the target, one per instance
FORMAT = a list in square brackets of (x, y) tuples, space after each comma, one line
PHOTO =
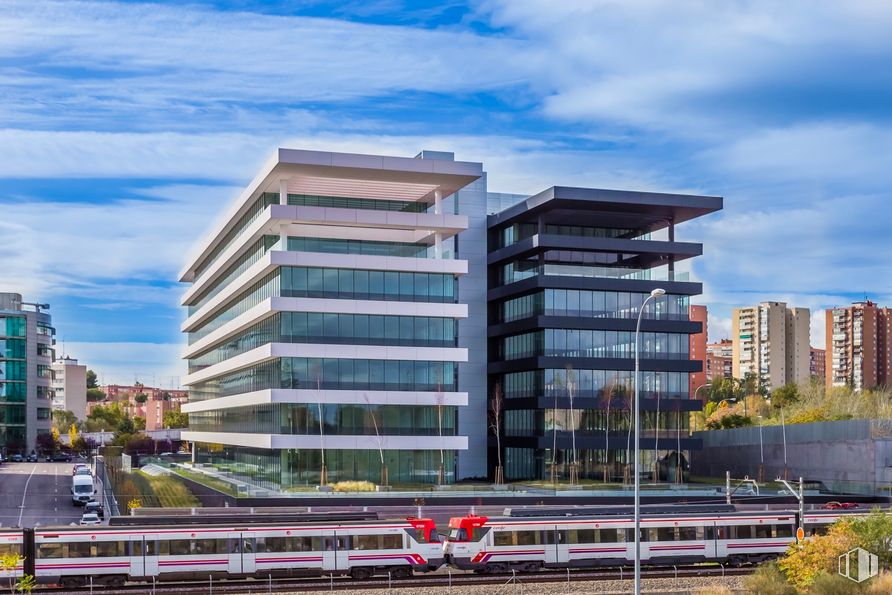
[(874, 534), (139, 423), (72, 436), (63, 420), (91, 379), (125, 427), (141, 398), (818, 554), (105, 417), (175, 419), (785, 396), (46, 443), (95, 395), (496, 404)]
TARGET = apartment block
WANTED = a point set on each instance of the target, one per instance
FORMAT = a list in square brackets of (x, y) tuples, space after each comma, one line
[(26, 356), (859, 339), (70, 386), (719, 360), (817, 367), (771, 341), (697, 346)]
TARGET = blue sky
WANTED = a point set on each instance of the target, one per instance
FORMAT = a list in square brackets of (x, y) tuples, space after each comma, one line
[(127, 127)]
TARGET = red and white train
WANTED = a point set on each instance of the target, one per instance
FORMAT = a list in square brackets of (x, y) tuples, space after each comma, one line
[(364, 546)]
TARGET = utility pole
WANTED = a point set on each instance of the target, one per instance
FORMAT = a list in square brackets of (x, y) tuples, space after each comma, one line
[(799, 496), (727, 487)]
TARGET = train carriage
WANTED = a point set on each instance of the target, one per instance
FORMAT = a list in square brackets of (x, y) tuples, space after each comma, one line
[(525, 544), (11, 543), (111, 556)]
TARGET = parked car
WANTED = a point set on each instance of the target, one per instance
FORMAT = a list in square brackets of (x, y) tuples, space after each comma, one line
[(94, 508), (90, 518), (32, 458), (834, 505), (62, 457), (16, 458)]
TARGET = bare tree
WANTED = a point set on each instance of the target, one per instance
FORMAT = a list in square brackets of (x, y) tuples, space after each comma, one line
[(574, 463), (496, 404), (378, 440), (608, 391), (554, 417), (441, 473), (323, 472)]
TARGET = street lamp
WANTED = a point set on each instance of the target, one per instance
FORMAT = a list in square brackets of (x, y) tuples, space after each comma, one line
[(656, 293), (761, 454)]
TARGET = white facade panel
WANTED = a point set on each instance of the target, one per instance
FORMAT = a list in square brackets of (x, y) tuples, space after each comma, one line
[(345, 397)]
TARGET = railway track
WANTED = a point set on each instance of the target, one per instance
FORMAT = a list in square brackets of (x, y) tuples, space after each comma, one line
[(437, 579)]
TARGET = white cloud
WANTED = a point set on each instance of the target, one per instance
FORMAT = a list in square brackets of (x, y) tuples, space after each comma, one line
[(156, 364)]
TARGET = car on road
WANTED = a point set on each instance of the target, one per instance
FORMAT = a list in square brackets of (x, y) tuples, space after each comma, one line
[(16, 458), (77, 466), (94, 508), (83, 471), (90, 518), (834, 505)]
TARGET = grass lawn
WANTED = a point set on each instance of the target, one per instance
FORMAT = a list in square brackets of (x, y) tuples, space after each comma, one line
[(211, 482), (170, 492)]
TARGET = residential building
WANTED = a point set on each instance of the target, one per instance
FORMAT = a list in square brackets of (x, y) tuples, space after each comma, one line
[(326, 322), (697, 348), (859, 339), (719, 360), (817, 366), (569, 271), (70, 386), (155, 408), (26, 356), (771, 341), (154, 402), (353, 308)]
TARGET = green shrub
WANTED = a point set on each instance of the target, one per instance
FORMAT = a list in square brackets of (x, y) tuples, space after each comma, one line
[(834, 584), (768, 580), (353, 486)]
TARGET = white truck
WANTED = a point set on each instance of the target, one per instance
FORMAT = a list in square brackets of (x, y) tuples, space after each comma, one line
[(82, 489)]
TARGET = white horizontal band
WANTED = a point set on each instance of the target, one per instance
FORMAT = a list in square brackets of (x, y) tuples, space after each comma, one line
[(314, 442), (325, 396)]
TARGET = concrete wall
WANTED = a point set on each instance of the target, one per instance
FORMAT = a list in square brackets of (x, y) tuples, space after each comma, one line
[(852, 456)]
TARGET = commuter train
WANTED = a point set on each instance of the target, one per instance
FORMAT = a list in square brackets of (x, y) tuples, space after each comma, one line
[(362, 546)]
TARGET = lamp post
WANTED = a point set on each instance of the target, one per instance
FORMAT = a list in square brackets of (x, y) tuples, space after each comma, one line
[(653, 295), (761, 454)]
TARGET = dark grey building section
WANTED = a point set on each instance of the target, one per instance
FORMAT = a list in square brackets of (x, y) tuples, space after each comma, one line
[(568, 271)]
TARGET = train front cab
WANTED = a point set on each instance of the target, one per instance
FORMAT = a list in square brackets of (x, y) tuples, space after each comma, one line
[(466, 542)]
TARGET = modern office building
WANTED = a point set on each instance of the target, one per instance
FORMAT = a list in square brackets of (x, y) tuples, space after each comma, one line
[(697, 346), (26, 354), (817, 366), (325, 322), (353, 309), (569, 269), (771, 342), (70, 386), (859, 340), (719, 360)]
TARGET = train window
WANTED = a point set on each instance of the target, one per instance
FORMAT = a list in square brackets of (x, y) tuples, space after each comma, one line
[(666, 534), (50, 550), (247, 545), (365, 542), (582, 536), (109, 549), (743, 532), (646, 534), (201, 547), (690, 533), (303, 544), (763, 531), (180, 547), (528, 538), (611, 535), (502, 538), (79, 549), (783, 530), (151, 547), (554, 537), (272, 544), (391, 542), (7, 549)]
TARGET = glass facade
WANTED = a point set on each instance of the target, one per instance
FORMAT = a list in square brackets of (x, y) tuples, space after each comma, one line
[(345, 202), (242, 264), (350, 329), (337, 420), (556, 342), (332, 374), (369, 247), (593, 383), (282, 468), (582, 303)]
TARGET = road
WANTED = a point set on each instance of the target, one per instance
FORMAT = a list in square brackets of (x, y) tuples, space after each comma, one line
[(37, 494)]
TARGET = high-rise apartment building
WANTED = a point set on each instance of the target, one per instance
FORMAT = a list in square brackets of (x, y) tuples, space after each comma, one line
[(70, 387), (354, 308), (859, 340), (817, 367), (771, 341), (719, 360), (26, 354), (697, 346)]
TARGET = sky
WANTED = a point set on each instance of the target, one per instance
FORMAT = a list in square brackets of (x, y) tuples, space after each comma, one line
[(126, 128)]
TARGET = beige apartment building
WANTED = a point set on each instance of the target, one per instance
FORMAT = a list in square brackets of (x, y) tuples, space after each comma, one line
[(859, 338), (771, 341)]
